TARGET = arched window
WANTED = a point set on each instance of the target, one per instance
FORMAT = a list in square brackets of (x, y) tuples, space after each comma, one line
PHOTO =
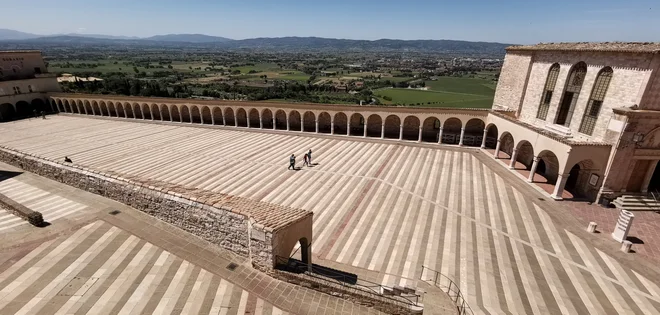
[(546, 97), (596, 101), (571, 93)]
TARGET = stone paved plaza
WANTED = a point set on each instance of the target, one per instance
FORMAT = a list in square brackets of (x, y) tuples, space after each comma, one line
[(378, 206)]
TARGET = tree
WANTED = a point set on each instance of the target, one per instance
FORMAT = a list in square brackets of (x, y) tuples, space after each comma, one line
[(169, 67), (136, 70)]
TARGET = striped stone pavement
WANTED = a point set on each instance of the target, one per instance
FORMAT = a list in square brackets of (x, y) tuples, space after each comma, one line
[(380, 206), (52, 206), (101, 269)]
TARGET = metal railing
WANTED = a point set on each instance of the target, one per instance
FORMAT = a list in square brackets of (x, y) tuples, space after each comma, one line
[(347, 281), (451, 288)]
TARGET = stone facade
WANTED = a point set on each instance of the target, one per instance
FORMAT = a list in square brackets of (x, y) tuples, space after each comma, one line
[(222, 223), (512, 81)]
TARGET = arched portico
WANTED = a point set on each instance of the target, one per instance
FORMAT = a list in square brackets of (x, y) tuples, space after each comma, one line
[(491, 136), (230, 120), (241, 118), (411, 128), (294, 121), (88, 108), (523, 156), (7, 112), (24, 109), (95, 108), (309, 122), (431, 129), (267, 120), (176, 115), (146, 111), (75, 109), (114, 111), (357, 125), (137, 111), (254, 119), (165, 112), (340, 124), (128, 111), (473, 132), (217, 116), (60, 106), (195, 115), (392, 127), (104, 109), (374, 126), (325, 123), (281, 121), (505, 147), (451, 131), (155, 112), (185, 114), (207, 118), (67, 107)]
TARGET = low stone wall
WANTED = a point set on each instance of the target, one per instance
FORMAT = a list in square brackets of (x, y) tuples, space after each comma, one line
[(223, 227), (33, 217)]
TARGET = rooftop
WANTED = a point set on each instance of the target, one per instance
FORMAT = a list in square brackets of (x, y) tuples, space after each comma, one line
[(606, 46), (20, 52)]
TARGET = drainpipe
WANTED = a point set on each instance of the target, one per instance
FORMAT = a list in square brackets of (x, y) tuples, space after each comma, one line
[(611, 159)]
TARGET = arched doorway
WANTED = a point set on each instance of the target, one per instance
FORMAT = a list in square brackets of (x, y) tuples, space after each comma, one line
[(411, 128), (60, 106), (294, 121), (137, 111), (506, 146), (309, 122), (340, 124), (40, 106), (654, 182), (392, 127), (75, 107), (254, 118), (374, 126), (325, 122), (96, 108), (104, 109), (176, 115), (217, 116), (524, 155), (88, 108), (67, 107), (451, 131), (195, 115), (7, 112), (491, 136), (206, 115), (112, 110), (146, 113), (165, 112), (128, 110), (267, 118), (241, 118), (474, 132), (24, 109), (155, 112), (229, 117), (577, 183), (431, 129), (185, 114), (357, 125), (280, 120)]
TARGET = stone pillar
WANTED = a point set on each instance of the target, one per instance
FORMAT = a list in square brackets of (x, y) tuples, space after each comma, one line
[(212, 119), (261, 123), (514, 156), (535, 164), (302, 123), (401, 132), (348, 127), (249, 124), (317, 126), (483, 140), (440, 135), (288, 127), (365, 131), (419, 137), (382, 130), (274, 126), (332, 126), (649, 175), (497, 149), (224, 121), (559, 186), (460, 142)]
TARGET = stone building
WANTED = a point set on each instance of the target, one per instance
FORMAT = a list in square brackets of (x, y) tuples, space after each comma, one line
[(24, 84)]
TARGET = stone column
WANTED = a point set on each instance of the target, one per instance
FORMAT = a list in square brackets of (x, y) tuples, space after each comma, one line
[(261, 123), (649, 175), (249, 124), (497, 149), (460, 142), (212, 119), (348, 127), (559, 186), (302, 123), (483, 140), (288, 127), (514, 156), (440, 135), (365, 131), (401, 132), (332, 126), (224, 121), (382, 130), (535, 164), (317, 126), (274, 126), (419, 137)]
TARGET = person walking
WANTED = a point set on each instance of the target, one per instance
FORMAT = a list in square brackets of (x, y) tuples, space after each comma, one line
[(292, 162), (43, 114), (306, 159), (309, 157)]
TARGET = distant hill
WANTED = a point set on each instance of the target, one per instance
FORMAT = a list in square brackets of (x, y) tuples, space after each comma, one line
[(188, 38), (6, 34)]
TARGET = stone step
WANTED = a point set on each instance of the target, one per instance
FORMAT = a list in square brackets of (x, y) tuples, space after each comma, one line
[(637, 203)]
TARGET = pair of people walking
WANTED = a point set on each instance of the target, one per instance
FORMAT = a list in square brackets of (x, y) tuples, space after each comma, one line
[(307, 160)]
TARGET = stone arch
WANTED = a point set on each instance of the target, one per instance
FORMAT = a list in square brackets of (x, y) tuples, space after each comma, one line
[(112, 108), (491, 136), (230, 119), (104, 109), (67, 107), (60, 106), (474, 132), (392, 126), (75, 108), (357, 125), (88, 108), (325, 123), (195, 115), (207, 118), (137, 111), (548, 166), (411, 128), (255, 120), (185, 114), (174, 112), (146, 111), (309, 122), (241, 118), (128, 110), (165, 112), (431, 129), (7, 112), (451, 131), (267, 119), (507, 144), (295, 121), (24, 109), (524, 155), (340, 123), (39, 105), (53, 106), (374, 126), (280, 120), (577, 183), (217, 116), (155, 112), (96, 108)]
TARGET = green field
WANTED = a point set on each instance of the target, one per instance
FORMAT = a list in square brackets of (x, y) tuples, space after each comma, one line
[(463, 85), (259, 67), (434, 99), (106, 66)]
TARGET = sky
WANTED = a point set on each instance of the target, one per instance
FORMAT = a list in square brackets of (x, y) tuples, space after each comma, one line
[(506, 21)]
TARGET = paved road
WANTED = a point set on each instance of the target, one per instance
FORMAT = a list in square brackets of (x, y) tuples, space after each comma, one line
[(379, 206)]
